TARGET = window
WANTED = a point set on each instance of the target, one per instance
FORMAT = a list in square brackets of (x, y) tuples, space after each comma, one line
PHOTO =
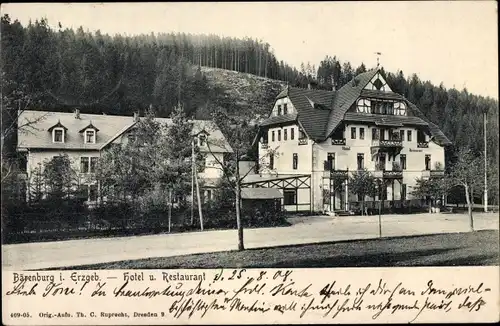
[(58, 135), (295, 161), (202, 164), (330, 159), (403, 191), (279, 135), (92, 192), (292, 133), (84, 165), (271, 161), (90, 136), (375, 134), (408, 135), (290, 197), (279, 109), (402, 159), (88, 164), (285, 109), (402, 135), (428, 162), (361, 133), (202, 139), (93, 164), (361, 161), (353, 133), (272, 136), (285, 135), (420, 136)]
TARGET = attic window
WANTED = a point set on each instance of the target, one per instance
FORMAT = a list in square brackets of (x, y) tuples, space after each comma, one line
[(202, 139), (378, 84), (58, 135), (90, 136)]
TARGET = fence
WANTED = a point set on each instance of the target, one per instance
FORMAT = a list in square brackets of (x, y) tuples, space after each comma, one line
[(389, 206), (25, 224)]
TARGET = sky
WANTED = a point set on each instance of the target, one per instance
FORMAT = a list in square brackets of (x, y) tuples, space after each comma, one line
[(454, 42)]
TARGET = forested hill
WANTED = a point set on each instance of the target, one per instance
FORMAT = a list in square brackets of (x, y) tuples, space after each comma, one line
[(61, 69)]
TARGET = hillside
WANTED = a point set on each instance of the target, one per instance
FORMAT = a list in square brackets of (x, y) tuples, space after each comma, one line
[(241, 93)]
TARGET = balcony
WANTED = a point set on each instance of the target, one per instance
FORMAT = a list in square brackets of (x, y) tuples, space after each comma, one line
[(264, 145), (423, 144), (395, 173), (302, 141), (338, 142), (331, 172), (387, 143), (433, 173)]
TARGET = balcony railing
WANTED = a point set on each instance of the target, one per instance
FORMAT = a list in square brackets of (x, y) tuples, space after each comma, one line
[(387, 143), (302, 141), (423, 144), (433, 173), (338, 142), (395, 173), (264, 145)]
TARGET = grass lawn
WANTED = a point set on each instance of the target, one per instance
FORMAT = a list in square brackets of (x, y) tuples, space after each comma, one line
[(453, 249)]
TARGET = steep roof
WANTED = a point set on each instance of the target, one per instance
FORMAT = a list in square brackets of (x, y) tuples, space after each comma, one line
[(313, 109), (110, 127), (321, 112), (345, 97)]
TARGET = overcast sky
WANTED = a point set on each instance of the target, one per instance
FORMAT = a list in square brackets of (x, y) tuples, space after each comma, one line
[(450, 42)]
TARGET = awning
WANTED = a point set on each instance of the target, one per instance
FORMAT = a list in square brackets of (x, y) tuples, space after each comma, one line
[(261, 193)]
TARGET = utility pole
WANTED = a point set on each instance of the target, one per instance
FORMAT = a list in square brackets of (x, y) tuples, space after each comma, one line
[(192, 182), (195, 177), (485, 167)]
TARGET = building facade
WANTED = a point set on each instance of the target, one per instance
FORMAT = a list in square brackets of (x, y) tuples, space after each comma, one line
[(330, 134), (83, 138)]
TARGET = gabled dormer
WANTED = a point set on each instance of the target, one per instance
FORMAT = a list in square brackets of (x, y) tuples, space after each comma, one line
[(58, 133), (89, 134), (378, 83), (202, 137)]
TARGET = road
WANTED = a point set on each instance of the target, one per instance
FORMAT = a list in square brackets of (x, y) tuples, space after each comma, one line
[(304, 230)]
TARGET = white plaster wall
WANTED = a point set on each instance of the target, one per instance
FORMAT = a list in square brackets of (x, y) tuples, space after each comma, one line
[(283, 161), (282, 101)]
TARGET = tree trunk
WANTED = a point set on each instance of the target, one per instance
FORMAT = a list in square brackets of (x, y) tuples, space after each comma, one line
[(238, 211), (363, 206), (469, 208)]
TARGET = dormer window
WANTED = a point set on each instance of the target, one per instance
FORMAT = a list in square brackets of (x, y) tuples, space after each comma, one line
[(58, 132), (89, 134), (202, 140), (58, 135)]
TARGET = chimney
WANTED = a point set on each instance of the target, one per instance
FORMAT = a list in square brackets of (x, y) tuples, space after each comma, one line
[(136, 116), (77, 113)]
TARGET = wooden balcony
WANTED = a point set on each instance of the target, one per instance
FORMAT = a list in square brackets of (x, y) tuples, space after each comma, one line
[(302, 141), (423, 145), (340, 142), (387, 143), (433, 173), (264, 145), (332, 172), (395, 173)]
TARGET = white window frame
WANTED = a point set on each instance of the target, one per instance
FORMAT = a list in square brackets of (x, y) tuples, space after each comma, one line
[(89, 167), (54, 135), (85, 136)]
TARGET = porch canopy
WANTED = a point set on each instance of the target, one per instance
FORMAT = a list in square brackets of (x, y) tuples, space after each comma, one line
[(261, 193)]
